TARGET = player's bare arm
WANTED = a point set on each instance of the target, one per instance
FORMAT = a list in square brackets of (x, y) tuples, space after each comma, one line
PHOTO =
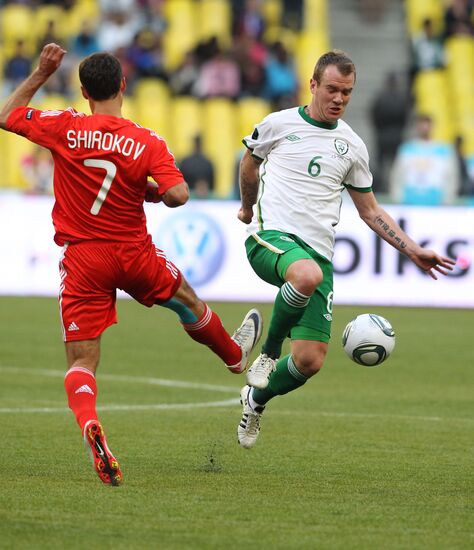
[(248, 186), (49, 61), (174, 197), (389, 230)]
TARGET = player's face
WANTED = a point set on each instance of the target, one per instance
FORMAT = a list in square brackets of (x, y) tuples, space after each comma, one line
[(331, 96)]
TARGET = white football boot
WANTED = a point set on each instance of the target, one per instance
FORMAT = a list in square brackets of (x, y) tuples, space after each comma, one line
[(249, 426), (247, 336), (259, 373)]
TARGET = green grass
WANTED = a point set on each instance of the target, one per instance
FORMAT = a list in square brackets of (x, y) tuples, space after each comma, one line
[(359, 458)]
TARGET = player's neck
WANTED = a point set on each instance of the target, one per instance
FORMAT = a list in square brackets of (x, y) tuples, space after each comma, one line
[(108, 107)]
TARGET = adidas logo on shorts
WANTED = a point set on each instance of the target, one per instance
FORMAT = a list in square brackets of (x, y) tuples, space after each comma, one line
[(73, 326)]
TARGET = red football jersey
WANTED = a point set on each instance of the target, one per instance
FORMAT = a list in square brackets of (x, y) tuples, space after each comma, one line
[(101, 166)]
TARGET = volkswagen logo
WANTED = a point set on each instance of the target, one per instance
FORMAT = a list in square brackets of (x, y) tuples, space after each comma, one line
[(194, 242)]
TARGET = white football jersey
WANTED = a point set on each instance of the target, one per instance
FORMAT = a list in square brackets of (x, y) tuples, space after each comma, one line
[(306, 166)]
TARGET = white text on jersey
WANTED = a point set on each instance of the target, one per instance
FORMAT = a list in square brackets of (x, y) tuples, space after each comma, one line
[(107, 141)]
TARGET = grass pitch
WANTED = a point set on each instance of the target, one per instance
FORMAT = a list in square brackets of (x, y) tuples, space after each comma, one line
[(369, 458)]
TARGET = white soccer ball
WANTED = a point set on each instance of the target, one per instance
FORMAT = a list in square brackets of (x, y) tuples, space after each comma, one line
[(368, 339)]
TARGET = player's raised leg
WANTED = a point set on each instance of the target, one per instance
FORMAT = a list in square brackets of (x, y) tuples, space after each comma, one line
[(204, 326), (81, 389)]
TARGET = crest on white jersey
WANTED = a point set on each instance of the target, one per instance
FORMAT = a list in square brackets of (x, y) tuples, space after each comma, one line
[(341, 146)]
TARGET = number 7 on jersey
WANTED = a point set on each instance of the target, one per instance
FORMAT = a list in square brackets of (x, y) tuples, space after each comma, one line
[(110, 171)]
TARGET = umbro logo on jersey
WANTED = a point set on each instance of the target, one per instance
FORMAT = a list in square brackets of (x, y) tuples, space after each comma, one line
[(285, 238), (293, 137), (327, 316), (73, 326), (84, 389)]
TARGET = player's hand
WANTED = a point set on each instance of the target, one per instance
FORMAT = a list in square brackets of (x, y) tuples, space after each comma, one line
[(245, 215), (151, 192), (50, 59), (429, 261)]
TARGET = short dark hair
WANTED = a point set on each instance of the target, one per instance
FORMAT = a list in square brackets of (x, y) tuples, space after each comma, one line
[(335, 57), (101, 75)]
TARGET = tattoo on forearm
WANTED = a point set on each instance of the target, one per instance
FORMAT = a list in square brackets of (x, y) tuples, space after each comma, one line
[(390, 232), (248, 191)]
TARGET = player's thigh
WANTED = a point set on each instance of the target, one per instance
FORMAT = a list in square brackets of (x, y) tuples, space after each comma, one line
[(87, 293), (151, 278), (270, 254)]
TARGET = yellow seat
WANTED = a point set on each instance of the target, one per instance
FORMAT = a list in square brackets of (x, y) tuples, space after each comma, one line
[(215, 20), (181, 34), (432, 97), (250, 111), (315, 18), (16, 24), (15, 150), (219, 130), (185, 115), (46, 13), (152, 104), (309, 47), (418, 10), (80, 12)]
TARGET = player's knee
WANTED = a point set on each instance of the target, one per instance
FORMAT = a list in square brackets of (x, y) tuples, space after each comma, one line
[(305, 276), (309, 362)]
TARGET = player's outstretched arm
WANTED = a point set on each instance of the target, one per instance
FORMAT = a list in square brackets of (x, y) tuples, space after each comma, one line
[(49, 61), (248, 186), (389, 230)]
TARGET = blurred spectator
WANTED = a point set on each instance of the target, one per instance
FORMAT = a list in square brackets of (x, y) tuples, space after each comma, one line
[(459, 18), (293, 14), (116, 31), (38, 171), (427, 49), (281, 83), (85, 43), (425, 171), (17, 67), (49, 36), (388, 112), (114, 6), (206, 50), (198, 171), (153, 17), (465, 175), (219, 77), (145, 55), (184, 78), (248, 19), (251, 56)]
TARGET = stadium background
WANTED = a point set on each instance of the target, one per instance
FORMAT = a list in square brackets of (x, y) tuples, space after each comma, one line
[(358, 459)]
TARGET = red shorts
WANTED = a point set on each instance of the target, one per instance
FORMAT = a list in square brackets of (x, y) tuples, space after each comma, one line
[(92, 271)]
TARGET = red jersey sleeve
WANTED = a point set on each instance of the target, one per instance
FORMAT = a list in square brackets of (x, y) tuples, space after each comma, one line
[(40, 127), (163, 167)]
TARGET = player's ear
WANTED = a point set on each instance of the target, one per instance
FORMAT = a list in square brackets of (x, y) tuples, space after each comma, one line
[(313, 85), (123, 85), (85, 95)]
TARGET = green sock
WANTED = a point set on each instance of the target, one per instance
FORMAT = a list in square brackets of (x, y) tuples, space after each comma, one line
[(285, 378), (288, 309)]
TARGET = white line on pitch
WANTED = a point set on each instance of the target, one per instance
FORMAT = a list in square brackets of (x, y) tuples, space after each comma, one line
[(125, 378), (150, 407)]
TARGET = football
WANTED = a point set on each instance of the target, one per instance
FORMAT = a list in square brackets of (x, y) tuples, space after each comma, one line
[(368, 339)]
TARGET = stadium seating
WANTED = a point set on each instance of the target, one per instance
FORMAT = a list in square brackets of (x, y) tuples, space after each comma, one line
[(250, 111), (181, 33), (215, 20), (417, 10), (186, 117), (219, 129)]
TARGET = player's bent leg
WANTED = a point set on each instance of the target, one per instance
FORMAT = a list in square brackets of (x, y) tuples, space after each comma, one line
[(204, 326), (81, 389), (291, 372)]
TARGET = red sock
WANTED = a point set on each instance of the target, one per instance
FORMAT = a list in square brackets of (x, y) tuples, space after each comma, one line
[(81, 389), (208, 330)]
